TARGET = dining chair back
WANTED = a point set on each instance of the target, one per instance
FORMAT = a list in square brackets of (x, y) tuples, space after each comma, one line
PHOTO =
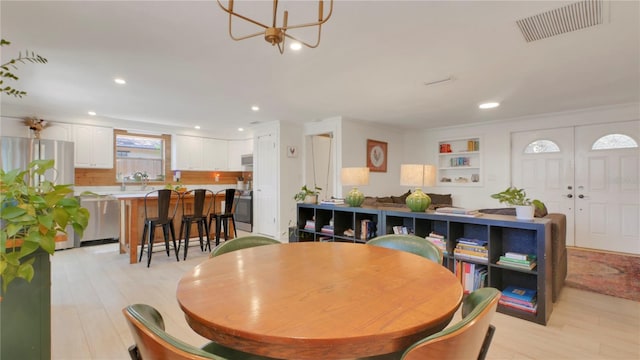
[(242, 242), (409, 243), (227, 213), (160, 215), (154, 343), (198, 214), (469, 338)]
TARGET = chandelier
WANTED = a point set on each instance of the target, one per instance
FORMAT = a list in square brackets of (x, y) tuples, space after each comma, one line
[(276, 35)]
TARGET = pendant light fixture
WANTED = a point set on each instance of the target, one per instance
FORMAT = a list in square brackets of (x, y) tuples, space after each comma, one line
[(276, 35)]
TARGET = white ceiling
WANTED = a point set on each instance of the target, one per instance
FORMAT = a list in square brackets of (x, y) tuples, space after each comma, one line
[(374, 58)]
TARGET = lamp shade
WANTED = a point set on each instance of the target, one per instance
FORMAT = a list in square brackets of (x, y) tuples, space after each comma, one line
[(355, 176), (417, 175)]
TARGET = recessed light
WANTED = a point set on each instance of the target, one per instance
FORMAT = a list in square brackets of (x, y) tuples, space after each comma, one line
[(120, 81), (255, 108), (240, 129), (489, 105), (295, 46), (197, 127), (92, 113)]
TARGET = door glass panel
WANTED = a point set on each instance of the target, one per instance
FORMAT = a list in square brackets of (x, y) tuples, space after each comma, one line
[(614, 141), (541, 146)]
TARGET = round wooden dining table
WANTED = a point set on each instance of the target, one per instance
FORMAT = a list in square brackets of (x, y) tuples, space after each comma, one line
[(318, 300)]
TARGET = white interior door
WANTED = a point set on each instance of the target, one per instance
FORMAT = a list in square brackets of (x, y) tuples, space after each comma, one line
[(265, 185), (607, 192), (542, 164)]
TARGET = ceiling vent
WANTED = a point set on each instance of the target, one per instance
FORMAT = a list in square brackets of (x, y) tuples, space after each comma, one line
[(568, 18)]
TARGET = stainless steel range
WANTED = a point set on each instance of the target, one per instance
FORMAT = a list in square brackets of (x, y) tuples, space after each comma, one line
[(244, 211)]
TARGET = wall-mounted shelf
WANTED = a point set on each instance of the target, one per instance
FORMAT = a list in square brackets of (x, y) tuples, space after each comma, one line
[(459, 162)]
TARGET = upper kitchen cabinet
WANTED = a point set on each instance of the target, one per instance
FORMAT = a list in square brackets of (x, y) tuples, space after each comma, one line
[(215, 154), (237, 148), (57, 131), (93, 146), (186, 153), (198, 154)]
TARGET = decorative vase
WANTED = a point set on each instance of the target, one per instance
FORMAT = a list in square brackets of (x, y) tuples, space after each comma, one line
[(418, 201), (354, 198), (524, 212)]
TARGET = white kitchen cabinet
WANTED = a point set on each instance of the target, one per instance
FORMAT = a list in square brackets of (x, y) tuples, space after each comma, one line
[(215, 154), (198, 154), (93, 146), (57, 131), (237, 148), (186, 153)]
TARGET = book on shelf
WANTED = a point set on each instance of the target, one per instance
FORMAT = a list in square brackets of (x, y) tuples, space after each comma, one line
[(439, 241), (368, 229), (310, 225), (457, 211), (327, 229), (400, 230), (472, 248), (519, 256), (528, 308), (471, 241), (519, 293), (531, 266), (472, 276), (332, 201)]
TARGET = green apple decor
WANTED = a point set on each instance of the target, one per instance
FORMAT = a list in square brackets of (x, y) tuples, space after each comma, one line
[(418, 201), (354, 198)]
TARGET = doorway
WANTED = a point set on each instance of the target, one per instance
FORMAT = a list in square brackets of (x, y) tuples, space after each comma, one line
[(590, 173)]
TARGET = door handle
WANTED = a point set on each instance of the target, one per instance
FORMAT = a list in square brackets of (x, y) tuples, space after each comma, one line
[(581, 196)]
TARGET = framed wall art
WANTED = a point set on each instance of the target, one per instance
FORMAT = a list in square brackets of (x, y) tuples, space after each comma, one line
[(376, 155)]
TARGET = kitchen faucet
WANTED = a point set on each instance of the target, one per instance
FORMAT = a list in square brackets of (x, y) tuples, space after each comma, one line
[(143, 178)]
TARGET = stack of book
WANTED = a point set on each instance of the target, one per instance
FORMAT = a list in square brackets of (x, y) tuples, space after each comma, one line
[(438, 240), (471, 249), (519, 298), (332, 201), (457, 211), (310, 225), (327, 229), (518, 260)]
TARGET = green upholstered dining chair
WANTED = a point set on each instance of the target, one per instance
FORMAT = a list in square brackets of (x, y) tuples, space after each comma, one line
[(153, 343), (467, 339), (242, 242), (409, 243)]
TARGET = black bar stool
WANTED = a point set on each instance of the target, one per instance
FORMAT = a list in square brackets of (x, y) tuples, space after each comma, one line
[(198, 215), (226, 214), (162, 216)]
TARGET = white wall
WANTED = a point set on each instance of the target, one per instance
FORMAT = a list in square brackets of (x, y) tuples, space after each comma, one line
[(354, 154), (290, 175), (421, 146)]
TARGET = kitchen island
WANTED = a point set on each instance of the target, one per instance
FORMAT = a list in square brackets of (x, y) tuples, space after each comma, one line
[(132, 220)]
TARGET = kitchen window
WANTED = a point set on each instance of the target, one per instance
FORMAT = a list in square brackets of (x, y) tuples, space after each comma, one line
[(140, 157)]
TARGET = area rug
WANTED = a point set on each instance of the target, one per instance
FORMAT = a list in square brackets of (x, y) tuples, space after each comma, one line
[(606, 273)]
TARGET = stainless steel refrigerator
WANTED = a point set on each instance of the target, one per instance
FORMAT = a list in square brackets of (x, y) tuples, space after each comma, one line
[(18, 152)]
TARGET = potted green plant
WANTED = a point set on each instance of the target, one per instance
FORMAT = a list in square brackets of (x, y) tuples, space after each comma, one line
[(517, 198), (308, 195), (32, 214)]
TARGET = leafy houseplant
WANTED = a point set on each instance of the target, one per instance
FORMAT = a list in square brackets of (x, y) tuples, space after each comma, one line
[(5, 69), (33, 212), (307, 194), (518, 197)]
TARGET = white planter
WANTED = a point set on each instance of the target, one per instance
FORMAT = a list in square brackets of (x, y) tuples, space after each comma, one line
[(311, 199), (524, 212)]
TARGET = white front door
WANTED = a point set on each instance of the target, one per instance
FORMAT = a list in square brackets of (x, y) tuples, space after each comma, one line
[(599, 194), (542, 164), (607, 188)]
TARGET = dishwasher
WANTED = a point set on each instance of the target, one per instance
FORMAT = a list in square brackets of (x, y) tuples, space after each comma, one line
[(104, 220)]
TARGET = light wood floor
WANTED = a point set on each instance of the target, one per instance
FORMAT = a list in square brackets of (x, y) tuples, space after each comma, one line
[(91, 285)]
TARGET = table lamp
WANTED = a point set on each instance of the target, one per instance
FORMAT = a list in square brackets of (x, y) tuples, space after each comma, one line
[(354, 176), (417, 175)]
